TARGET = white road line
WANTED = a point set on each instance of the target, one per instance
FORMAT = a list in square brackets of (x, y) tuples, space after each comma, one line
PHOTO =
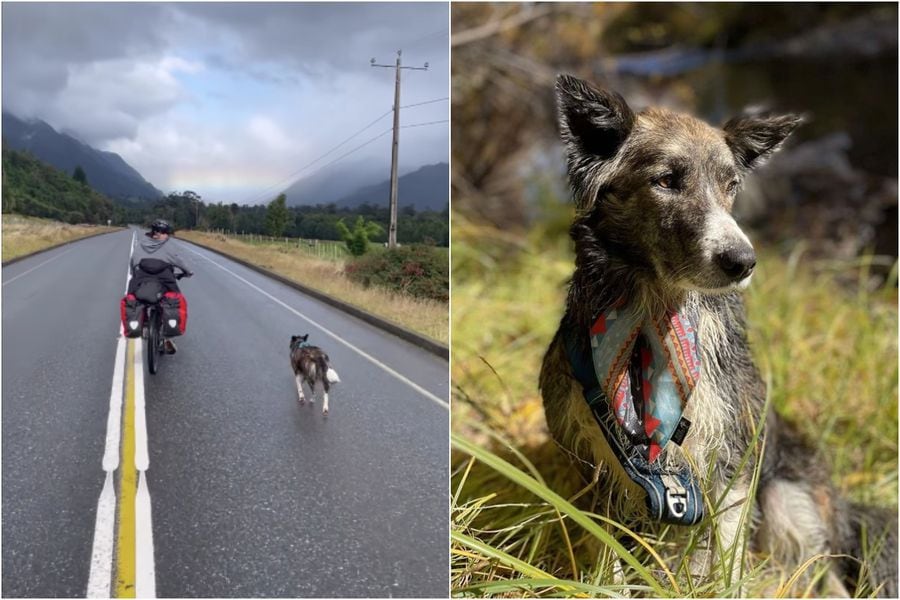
[(145, 571), (141, 454), (114, 420), (24, 273), (103, 552), (130, 255), (362, 353), (100, 578)]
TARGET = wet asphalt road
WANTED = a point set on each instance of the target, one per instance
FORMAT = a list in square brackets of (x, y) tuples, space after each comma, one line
[(252, 494)]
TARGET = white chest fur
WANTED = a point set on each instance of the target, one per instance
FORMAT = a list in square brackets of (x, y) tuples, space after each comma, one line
[(708, 410)]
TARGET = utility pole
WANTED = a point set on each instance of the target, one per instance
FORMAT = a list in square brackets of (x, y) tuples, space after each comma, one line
[(392, 229)]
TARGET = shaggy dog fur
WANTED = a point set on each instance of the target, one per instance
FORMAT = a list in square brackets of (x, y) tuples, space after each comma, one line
[(311, 367), (654, 192)]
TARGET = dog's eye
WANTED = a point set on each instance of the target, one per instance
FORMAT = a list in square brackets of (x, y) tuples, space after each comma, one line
[(733, 186), (666, 182)]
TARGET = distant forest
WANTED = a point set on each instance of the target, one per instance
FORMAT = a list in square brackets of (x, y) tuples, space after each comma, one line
[(33, 188), (187, 210)]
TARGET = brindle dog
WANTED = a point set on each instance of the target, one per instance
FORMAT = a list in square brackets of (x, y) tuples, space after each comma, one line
[(311, 366), (654, 192)]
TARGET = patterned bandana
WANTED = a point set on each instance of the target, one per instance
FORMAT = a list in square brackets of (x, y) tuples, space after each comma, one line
[(658, 363), (647, 369)]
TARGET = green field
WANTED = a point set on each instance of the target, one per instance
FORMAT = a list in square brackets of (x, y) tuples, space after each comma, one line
[(326, 274), (823, 334), (321, 249)]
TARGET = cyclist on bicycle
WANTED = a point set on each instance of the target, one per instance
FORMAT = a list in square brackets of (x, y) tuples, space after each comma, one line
[(155, 259)]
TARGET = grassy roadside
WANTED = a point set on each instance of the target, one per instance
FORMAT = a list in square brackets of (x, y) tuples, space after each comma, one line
[(24, 235), (321, 249), (827, 349), (326, 275)]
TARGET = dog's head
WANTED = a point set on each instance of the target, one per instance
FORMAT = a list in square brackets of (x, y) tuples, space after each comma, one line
[(658, 186), (296, 340)]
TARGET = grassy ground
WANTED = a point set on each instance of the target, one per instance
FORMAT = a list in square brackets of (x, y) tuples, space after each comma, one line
[(24, 235), (321, 249), (828, 350), (326, 275)]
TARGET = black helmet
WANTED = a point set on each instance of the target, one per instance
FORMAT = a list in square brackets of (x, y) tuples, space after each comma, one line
[(160, 226)]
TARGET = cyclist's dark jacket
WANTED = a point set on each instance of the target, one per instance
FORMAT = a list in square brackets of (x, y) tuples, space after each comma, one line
[(153, 259)]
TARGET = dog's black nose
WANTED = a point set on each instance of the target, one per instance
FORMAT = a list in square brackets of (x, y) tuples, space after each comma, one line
[(737, 263)]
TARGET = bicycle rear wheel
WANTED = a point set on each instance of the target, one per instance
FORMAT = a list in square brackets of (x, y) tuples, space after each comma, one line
[(153, 342)]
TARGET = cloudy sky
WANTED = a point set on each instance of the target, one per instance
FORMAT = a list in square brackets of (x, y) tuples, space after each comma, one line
[(229, 100)]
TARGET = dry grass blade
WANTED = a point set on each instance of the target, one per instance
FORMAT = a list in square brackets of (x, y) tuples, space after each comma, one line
[(24, 235)]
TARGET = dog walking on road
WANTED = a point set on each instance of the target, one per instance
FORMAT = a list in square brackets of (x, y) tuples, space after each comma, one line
[(311, 367)]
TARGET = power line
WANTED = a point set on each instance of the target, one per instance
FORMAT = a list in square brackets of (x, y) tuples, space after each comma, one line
[(366, 143), (426, 36), (424, 124), (426, 102), (311, 163)]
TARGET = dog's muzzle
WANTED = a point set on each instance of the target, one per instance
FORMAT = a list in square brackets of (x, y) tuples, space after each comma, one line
[(737, 263)]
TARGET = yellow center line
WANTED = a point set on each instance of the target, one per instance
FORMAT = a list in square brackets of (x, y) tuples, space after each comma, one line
[(125, 539)]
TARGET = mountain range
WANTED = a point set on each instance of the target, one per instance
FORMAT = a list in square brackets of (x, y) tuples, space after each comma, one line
[(332, 183), (106, 171), (426, 188), (351, 185), (347, 184)]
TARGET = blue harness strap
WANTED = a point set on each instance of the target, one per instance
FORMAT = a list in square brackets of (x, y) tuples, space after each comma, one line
[(673, 496)]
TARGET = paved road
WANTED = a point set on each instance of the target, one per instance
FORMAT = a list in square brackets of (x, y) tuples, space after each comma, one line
[(252, 494)]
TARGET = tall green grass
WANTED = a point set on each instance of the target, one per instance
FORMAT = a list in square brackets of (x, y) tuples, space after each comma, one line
[(823, 335)]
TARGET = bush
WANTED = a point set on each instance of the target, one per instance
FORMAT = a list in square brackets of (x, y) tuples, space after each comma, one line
[(357, 240), (418, 271)]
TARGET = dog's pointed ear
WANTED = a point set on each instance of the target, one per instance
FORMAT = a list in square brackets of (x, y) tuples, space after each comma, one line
[(591, 121), (304, 337), (753, 139)]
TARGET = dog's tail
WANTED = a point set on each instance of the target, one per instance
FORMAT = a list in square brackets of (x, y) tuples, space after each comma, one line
[(329, 374), (332, 376), (869, 536)]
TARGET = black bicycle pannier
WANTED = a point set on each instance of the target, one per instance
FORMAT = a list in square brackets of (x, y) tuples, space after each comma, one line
[(174, 314), (132, 316)]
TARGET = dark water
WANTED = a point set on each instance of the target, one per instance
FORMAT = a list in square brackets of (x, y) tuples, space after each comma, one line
[(858, 97)]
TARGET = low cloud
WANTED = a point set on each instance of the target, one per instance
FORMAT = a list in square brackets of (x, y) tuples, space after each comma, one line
[(242, 94)]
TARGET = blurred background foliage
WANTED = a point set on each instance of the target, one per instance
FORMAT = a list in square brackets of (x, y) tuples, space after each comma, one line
[(836, 182), (823, 215)]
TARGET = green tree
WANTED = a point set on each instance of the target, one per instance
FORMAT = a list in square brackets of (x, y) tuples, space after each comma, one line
[(219, 216), (235, 209), (33, 188), (357, 240), (79, 175), (9, 199), (277, 216)]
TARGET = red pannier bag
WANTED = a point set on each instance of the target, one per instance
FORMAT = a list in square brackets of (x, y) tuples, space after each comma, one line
[(174, 314), (132, 316)]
